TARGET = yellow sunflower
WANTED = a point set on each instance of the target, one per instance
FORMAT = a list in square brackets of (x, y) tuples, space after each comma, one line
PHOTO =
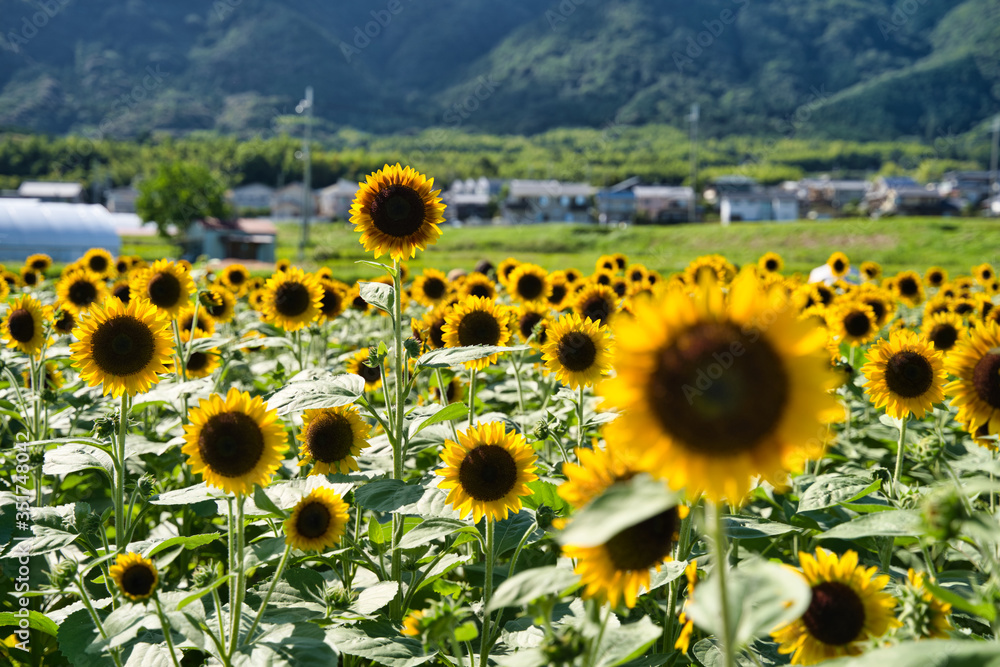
[(478, 285), (39, 262), (852, 322), (453, 393), (636, 274), (505, 267), (880, 300), (135, 576), (943, 330), (121, 291), (168, 286), (430, 328), (99, 261), (477, 321), (530, 315), (908, 288), (318, 521), (603, 277), (77, 289), (717, 389), (397, 212), (871, 270), (904, 375), (771, 262), (205, 326), (411, 624), (558, 290), (282, 265), (334, 300), (292, 299), (606, 263), (488, 471), (925, 615), (24, 324), (709, 266), (597, 302), (53, 377), (577, 351), (848, 607), (358, 365), (122, 346), (936, 276), (839, 264), (983, 273), (4, 290), (201, 363), (431, 287), (332, 438), (234, 442), (975, 391), (528, 283), (64, 321), (236, 278), (30, 277), (219, 303), (123, 264)]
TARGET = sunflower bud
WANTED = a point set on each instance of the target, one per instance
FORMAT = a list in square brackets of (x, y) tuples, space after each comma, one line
[(544, 516), (106, 426), (202, 576), (563, 650), (943, 514), (412, 346), (89, 523), (375, 357), (145, 485), (541, 430), (64, 574)]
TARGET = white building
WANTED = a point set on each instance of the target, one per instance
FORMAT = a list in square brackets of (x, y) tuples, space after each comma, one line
[(663, 203), (121, 200), (335, 200), (61, 230), (51, 192), (253, 196), (774, 204)]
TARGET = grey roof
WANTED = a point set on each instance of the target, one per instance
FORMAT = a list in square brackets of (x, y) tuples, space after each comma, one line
[(526, 188), (62, 230), (50, 189), (663, 192)]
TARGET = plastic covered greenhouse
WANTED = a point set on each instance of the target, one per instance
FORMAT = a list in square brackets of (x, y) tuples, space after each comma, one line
[(63, 231)]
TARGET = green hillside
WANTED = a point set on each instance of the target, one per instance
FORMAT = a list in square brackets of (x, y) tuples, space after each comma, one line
[(833, 68)]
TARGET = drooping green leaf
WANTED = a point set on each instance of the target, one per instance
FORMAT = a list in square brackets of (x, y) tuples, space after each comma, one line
[(429, 530), (387, 495), (832, 489), (75, 458), (623, 505), (624, 642), (526, 587), (375, 597), (448, 413), (36, 621), (314, 390), (452, 356), (379, 295), (894, 523)]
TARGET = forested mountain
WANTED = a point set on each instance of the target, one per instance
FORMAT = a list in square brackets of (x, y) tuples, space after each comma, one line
[(853, 69)]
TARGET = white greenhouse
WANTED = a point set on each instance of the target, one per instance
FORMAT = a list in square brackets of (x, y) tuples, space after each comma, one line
[(61, 230)]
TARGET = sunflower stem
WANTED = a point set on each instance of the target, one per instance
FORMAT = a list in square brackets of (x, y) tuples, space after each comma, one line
[(900, 451), (236, 601), (484, 649), (267, 597), (472, 397), (165, 627), (398, 442), (95, 618), (119, 491), (579, 417), (443, 391), (721, 567)]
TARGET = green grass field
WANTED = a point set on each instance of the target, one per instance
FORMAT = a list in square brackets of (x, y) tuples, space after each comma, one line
[(897, 243)]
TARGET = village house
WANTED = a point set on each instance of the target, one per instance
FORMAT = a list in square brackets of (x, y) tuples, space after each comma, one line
[(251, 197), (901, 195), (616, 204), (242, 238), (472, 200), (335, 200), (826, 196), (71, 193), (662, 203), (287, 202), (548, 201), (121, 200), (966, 188), (755, 206)]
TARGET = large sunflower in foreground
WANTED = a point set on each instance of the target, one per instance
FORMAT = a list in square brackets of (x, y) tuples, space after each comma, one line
[(397, 212), (24, 324), (78, 289), (904, 374), (166, 285), (975, 363), (332, 437), (135, 576), (487, 471), (577, 351), (848, 608), (318, 521), (234, 442), (476, 321), (122, 346), (716, 389), (292, 299)]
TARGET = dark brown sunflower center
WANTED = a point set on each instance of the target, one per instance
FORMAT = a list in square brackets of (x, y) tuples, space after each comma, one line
[(857, 324), (397, 210), (369, 374), (481, 289), (313, 520), (943, 336), (596, 308), (332, 302), (530, 286), (836, 615), (39, 264), (138, 580), (908, 286), (292, 299), (30, 278), (645, 544), (963, 308), (65, 323), (479, 328), (620, 287), (329, 438), (237, 278), (576, 351), (164, 290), (603, 279), (771, 265), (878, 307), (825, 295), (935, 278), (21, 325), (986, 379), (216, 305), (527, 323), (231, 444), (838, 266), (197, 362), (359, 303), (189, 322), (122, 345), (82, 293), (436, 334), (488, 473), (717, 390), (908, 374), (98, 263), (122, 266), (122, 292), (434, 288), (558, 294)]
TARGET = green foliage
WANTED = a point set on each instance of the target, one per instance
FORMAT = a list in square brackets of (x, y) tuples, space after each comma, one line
[(179, 193)]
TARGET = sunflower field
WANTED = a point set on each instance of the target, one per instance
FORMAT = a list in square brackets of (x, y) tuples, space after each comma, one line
[(516, 466)]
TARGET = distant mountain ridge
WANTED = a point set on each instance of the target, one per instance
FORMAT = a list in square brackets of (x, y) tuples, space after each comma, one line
[(848, 69)]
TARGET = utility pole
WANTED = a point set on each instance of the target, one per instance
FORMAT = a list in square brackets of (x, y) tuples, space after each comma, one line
[(693, 203), (994, 153), (305, 107)]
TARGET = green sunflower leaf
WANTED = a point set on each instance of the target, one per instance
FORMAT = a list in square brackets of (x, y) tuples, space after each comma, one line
[(452, 356), (621, 506), (526, 587), (316, 390), (379, 295), (833, 489), (893, 523)]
